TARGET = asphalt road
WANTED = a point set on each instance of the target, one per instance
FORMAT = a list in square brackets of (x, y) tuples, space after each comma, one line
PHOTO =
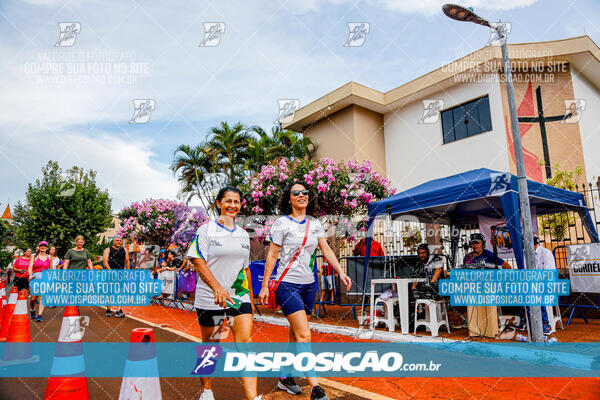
[(103, 329)]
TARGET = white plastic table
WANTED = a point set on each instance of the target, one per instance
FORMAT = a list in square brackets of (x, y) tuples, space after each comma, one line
[(402, 290)]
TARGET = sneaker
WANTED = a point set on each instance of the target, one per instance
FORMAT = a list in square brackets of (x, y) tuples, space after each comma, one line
[(108, 313), (207, 394), (39, 318), (317, 393), (31, 314), (119, 314), (289, 385), (546, 329), (259, 397)]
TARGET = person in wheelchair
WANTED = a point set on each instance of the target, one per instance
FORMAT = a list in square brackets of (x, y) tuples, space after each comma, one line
[(430, 266)]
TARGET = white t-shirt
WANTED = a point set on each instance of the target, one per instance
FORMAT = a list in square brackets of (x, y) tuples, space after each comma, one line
[(55, 262), (544, 258), (289, 234), (227, 254)]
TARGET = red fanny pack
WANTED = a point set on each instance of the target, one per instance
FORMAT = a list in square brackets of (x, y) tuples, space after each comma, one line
[(272, 302)]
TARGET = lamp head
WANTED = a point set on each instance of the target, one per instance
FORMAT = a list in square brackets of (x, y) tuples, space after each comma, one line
[(460, 13)]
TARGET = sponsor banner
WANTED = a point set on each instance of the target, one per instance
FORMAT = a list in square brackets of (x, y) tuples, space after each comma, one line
[(584, 267), (504, 287), (450, 359), (502, 238), (82, 287)]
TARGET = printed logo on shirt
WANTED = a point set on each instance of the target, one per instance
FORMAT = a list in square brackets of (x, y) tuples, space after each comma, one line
[(245, 246), (215, 243)]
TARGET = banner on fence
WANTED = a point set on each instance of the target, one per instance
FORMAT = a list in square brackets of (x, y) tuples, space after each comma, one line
[(257, 272), (168, 281), (503, 240), (584, 267)]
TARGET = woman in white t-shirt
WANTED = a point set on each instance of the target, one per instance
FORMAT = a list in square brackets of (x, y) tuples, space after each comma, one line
[(294, 238), (54, 260), (220, 253)]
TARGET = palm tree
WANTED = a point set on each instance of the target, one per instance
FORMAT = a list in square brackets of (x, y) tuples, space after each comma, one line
[(228, 149), (262, 149), (295, 145), (194, 170)]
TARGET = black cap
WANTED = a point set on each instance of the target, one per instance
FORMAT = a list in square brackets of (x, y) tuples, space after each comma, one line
[(477, 236), (423, 246)]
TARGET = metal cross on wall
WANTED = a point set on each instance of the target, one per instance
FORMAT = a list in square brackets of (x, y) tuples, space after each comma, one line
[(541, 119)]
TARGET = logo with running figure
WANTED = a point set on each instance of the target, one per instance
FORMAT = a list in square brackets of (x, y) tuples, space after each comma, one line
[(142, 109), (358, 33), (431, 111), (68, 33), (287, 108), (207, 359), (573, 111), (212, 34)]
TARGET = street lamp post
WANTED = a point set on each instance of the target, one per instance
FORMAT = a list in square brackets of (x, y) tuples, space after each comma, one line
[(460, 13)]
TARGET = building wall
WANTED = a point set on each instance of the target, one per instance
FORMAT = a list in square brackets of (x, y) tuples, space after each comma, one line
[(353, 133), (564, 139), (369, 138), (589, 123), (334, 135), (415, 153), (111, 231)]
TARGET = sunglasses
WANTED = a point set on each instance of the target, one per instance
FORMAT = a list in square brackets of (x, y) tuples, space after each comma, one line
[(300, 192)]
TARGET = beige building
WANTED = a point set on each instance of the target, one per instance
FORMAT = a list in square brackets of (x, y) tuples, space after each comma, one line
[(456, 117), (111, 231)]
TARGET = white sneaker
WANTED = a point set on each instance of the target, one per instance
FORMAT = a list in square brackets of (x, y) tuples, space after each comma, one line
[(207, 394), (259, 397)]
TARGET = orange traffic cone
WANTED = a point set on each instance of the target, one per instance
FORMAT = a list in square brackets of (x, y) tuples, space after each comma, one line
[(141, 379), (8, 313), (18, 342), (67, 380), (2, 297)]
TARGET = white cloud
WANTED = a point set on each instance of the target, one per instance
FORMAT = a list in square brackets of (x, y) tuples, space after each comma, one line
[(124, 167)]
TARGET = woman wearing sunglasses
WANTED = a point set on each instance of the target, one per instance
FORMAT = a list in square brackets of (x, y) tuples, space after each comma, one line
[(294, 239), (220, 253)]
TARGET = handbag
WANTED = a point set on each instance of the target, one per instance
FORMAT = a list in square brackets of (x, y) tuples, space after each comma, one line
[(272, 302)]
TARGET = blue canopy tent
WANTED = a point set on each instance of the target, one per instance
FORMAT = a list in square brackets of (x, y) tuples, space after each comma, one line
[(460, 199)]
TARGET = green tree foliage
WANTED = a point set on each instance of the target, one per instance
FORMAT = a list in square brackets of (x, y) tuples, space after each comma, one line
[(60, 206), (230, 154), (5, 239), (557, 225)]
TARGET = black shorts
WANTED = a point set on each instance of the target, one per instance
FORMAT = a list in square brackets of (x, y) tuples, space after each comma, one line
[(21, 283), (211, 318)]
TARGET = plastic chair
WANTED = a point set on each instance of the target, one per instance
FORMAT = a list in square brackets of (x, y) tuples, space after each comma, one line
[(388, 318), (554, 317), (436, 315)]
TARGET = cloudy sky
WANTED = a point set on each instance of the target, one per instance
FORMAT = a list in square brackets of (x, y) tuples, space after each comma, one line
[(74, 103)]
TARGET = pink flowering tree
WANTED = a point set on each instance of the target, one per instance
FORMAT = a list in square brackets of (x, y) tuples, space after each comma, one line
[(161, 222), (344, 192)]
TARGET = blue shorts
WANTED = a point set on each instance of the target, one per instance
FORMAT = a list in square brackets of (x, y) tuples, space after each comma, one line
[(293, 297)]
